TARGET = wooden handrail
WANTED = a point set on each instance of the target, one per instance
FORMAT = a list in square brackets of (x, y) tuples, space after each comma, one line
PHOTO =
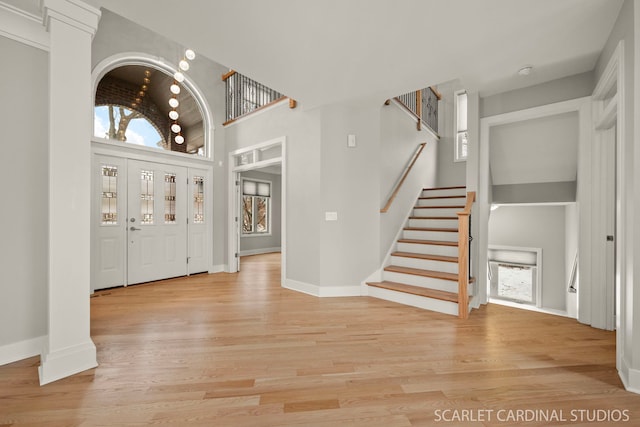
[(226, 76), (463, 256), (404, 177)]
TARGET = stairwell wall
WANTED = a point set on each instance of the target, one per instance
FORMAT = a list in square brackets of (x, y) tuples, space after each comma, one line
[(398, 142)]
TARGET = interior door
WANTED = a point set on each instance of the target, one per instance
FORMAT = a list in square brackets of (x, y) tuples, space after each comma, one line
[(156, 221)]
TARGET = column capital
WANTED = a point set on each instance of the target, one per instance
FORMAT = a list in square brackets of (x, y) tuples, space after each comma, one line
[(72, 12)]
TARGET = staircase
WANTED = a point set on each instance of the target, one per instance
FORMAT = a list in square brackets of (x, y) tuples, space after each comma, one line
[(423, 269)]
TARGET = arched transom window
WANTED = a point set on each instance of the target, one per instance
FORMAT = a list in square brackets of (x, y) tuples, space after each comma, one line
[(144, 106)]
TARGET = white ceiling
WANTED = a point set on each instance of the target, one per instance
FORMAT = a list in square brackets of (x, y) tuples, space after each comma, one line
[(327, 51)]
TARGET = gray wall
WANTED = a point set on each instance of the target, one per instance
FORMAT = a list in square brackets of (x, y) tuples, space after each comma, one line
[(399, 140), (302, 131), (118, 35), (24, 172), (536, 227), (257, 243), (563, 89)]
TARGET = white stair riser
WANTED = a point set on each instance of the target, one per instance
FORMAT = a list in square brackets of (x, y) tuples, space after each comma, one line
[(440, 193), (441, 202), (448, 212), (433, 223), (418, 248), (444, 236), (425, 264), (423, 282), (446, 307)]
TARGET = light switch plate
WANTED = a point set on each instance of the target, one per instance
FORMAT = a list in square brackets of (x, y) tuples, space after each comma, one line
[(351, 141), (331, 216)]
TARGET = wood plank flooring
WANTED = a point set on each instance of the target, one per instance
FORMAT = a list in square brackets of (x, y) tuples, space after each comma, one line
[(239, 350)]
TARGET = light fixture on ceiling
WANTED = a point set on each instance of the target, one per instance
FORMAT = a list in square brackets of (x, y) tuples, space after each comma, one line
[(178, 76), (525, 71)]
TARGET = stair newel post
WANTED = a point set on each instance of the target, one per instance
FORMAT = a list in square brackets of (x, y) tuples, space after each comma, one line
[(463, 265), (464, 257)]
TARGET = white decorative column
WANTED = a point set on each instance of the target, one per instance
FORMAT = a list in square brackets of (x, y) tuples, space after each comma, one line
[(69, 349)]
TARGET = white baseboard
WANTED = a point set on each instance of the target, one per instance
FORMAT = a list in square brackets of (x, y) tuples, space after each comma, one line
[(630, 377), (22, 350), (260, 251), (323, 291), (219, 268), (66, 362)]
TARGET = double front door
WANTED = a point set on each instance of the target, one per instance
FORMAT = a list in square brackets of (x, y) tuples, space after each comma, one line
[(150, 224)]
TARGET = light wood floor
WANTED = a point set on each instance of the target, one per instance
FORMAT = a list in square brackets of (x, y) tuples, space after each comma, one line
[(239, 350)]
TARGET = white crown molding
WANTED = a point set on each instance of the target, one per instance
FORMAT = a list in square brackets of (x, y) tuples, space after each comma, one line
[(72, 12), (23, 27)]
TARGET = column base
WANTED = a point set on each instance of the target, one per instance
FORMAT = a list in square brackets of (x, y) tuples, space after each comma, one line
[(66, 362)]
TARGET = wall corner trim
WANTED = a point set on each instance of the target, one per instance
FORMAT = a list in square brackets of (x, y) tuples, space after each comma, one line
[(21, 350), (630, 377)]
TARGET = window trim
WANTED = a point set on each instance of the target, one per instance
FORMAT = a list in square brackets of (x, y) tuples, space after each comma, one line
[(457, 157), (253, 207)]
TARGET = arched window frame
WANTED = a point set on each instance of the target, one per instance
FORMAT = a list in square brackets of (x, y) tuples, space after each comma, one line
[(145, 60)]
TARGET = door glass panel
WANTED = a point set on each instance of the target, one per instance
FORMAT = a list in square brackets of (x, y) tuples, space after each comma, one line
[(109, 195), (146, 197), (198, 200), (169, 198)]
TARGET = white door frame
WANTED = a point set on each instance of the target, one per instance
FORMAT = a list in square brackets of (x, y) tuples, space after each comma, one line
[(580, 105), (254, 162), (608, 111)]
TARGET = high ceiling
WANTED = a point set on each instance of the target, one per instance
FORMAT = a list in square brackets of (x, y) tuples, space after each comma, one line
[(327, 51)]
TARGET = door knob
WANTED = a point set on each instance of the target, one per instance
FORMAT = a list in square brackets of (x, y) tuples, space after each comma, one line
[(135, 229)]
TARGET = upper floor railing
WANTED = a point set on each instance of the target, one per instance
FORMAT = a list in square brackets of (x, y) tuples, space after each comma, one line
[(244, 96), (423, 105)]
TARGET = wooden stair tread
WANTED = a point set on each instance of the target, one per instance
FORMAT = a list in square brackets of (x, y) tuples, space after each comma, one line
[(426, 256), (424, 273), (439, 207), (428, 242), (445, 188), (442, 197), (416, 290), (447, 230)]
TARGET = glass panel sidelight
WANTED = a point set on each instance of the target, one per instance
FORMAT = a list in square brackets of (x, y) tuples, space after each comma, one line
[(198, 200), (146, 197), (109, 195), (169, 198)]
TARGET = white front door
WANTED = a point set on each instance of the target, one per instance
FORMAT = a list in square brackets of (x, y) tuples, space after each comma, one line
[(156, 221)]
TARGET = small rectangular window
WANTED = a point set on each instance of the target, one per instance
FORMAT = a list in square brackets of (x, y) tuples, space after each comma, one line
[(256, 206), (109, 195), (198, 200), (169, 198), (462, 134), (146, 197)]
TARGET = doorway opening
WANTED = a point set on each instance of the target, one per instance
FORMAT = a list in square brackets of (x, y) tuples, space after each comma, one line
[(257, 202)]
